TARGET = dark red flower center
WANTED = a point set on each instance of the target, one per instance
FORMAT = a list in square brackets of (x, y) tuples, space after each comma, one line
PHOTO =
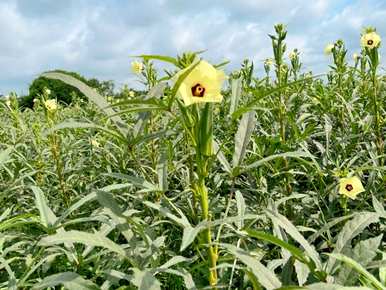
[(370, 42), (349, 187), (198, 90)]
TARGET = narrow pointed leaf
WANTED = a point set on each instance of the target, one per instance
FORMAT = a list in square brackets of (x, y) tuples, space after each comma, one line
[(47, 216), (92, 95), (85, 238), (243, 137), (69, 280)]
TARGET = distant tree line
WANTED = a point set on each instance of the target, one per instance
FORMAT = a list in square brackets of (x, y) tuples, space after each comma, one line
[(65, 93)]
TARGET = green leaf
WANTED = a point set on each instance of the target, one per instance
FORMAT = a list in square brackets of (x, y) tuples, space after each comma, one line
[(137, 181), (236, 89), (151, 136), (266, 277), (188, 280), (142, 108), (357, 267), (5, 155), (84, 125), (297, 253), (302, 272), (88, 198), (87, 239), (182, 221), (5, 213), (378, 207), (241, 207), (162, 170), (294, 154), (190, 232), (114, 211), (365, 251), (164, 58), (188, 236), (47, 216), (219, 65), (350, 230), (114, 276), (327, 226), (221, 157), (243, 137), (19, 220), (69, 280), (11, 275), (382, 270), (173, 261), (76, 206), (44, 261), (145, 280), (92, 95), (287, 226), (323, 286)]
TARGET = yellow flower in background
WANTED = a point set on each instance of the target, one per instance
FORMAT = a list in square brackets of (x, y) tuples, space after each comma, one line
[(131, 94), (136, 67), (202, 85), (51, 105), (370, 40), (328, 49), (350, 187), (47, 91), (292, 55), (355, 56), (268, 62), (94, 143)]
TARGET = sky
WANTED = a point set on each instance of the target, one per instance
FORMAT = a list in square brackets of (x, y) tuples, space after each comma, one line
[(98, 37)]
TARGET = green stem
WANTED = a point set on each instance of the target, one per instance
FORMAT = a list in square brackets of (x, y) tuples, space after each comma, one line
[(282, 121), (212, 252), (379, 141)]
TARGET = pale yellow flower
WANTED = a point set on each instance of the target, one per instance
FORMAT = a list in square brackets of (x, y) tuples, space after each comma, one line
[(328, 49), (94, 143), (370, 40), (51, 105), (350, 187), (355, 56), (136, 67), (292, 55), (203, 84), (131, 94), (47, 91), (268, 62)]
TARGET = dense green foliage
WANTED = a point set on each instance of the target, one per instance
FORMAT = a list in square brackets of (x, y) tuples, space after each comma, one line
[(113, 197)]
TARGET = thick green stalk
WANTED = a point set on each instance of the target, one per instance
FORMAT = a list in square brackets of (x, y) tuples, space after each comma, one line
[(54, 140), (282, 121), (204, 150), (212, 253)]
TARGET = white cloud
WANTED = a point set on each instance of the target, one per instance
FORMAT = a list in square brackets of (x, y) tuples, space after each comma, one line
[(95, 38)]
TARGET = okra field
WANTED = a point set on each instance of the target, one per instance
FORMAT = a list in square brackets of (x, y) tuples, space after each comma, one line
[(202, 178)]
